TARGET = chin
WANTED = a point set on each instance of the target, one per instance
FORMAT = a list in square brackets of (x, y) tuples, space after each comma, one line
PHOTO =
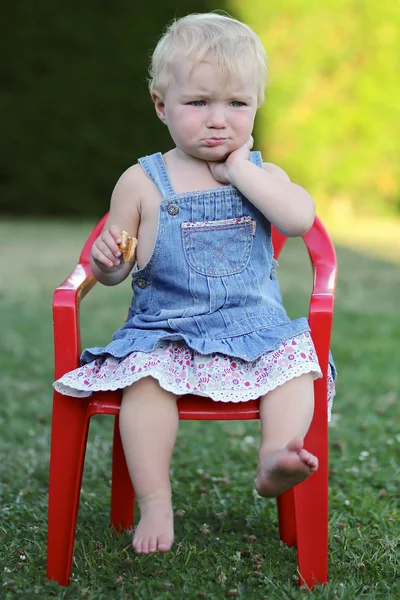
[(218, 153)]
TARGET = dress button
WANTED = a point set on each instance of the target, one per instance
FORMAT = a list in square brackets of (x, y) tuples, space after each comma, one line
[(141, 283), (173, 209)]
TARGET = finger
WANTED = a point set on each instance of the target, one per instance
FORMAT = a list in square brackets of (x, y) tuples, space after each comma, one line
[(109, 239), (104, 254), (218, 172), (115, 231), (102, 259)]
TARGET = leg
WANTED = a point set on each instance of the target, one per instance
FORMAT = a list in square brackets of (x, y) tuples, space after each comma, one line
[(122, 493), (285, 414), (149, 424)]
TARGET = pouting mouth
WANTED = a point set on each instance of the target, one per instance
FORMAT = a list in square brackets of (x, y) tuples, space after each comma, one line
[(214, 141)]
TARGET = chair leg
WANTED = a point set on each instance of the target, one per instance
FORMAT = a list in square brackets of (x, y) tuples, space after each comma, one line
[(311, 500), (311, 506), (67, 454), (122, 492), (287, 518)]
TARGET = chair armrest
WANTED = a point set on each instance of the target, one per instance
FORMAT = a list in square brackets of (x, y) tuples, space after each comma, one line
[(323, 259), (320, 318), (66, 302), (322, 301)]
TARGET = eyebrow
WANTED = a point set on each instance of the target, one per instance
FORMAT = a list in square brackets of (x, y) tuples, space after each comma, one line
[(204, 96), (197, 95)]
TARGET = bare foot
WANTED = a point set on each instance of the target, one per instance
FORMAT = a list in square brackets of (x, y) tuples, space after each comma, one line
[(155, 530), (279, 471)]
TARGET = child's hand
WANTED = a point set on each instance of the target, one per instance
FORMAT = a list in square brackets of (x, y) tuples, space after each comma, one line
[(221, 170), (105, 250)]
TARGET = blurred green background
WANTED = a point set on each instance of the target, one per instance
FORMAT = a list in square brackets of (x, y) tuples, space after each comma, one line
[(75, 114), (76, 110)]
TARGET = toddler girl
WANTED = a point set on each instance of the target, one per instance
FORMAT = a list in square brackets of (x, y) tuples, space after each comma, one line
[(206, 316)]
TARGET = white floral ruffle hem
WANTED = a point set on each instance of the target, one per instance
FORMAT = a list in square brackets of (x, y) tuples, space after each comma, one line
[(180, 370)]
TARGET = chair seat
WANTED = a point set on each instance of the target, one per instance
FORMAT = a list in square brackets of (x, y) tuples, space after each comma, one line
[(190, 407)]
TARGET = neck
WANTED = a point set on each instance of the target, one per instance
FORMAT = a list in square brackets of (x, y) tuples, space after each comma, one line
[(187, 158), (187, 172)]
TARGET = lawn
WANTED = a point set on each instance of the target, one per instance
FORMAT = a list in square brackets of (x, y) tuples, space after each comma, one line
[(227, 543)]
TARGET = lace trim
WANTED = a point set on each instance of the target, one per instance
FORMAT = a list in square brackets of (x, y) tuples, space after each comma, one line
[(236, 395), (218, 396)]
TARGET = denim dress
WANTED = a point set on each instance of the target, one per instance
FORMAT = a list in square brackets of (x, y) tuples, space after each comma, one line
[(206, 309)]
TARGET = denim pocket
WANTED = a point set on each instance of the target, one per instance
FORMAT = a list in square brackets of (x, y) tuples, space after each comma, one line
[(218, 248)]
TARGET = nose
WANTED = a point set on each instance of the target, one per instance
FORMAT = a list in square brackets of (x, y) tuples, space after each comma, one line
[(216, 118)]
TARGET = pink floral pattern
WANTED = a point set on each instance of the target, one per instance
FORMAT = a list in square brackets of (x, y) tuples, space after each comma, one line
[(220, 224), (236, 221), (181, 370)]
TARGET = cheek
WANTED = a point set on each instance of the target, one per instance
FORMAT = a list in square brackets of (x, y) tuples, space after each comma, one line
[(183, 118), (245, 122), (187, 124)]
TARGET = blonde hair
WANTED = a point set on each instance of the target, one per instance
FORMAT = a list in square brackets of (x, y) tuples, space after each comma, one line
[(231, 46)]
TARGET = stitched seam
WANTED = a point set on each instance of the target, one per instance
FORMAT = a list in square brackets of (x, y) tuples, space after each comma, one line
[(218, 254)]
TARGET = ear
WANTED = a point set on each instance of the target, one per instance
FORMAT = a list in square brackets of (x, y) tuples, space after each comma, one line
[(159, 105)]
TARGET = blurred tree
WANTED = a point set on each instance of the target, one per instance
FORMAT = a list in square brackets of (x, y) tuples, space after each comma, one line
[(332, 116), (76, 109)]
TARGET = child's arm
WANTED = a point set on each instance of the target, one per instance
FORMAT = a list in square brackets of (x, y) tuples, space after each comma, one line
[(106, 259), (288, 206)]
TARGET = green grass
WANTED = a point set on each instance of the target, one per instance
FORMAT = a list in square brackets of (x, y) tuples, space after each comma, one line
[(227, 542)]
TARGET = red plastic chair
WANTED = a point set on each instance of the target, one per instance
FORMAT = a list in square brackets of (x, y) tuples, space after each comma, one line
[(302, 511)]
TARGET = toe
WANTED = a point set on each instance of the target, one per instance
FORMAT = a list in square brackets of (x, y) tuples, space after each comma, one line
[(164, 543), (309, 459), (134, 541), (305, 456), (137, 546), (152, 545), (145, 546)]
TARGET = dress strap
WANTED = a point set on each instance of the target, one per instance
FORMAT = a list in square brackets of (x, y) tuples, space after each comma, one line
[(256, 158), (155, 169)]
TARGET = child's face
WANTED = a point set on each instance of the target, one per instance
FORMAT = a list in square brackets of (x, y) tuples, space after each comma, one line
[(205, 117)]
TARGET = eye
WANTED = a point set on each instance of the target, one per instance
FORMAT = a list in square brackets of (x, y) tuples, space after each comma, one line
[(237, 103), (197, 103)]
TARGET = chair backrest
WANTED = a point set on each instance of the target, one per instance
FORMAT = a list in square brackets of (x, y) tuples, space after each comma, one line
[(317, 240), (321, 252)]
